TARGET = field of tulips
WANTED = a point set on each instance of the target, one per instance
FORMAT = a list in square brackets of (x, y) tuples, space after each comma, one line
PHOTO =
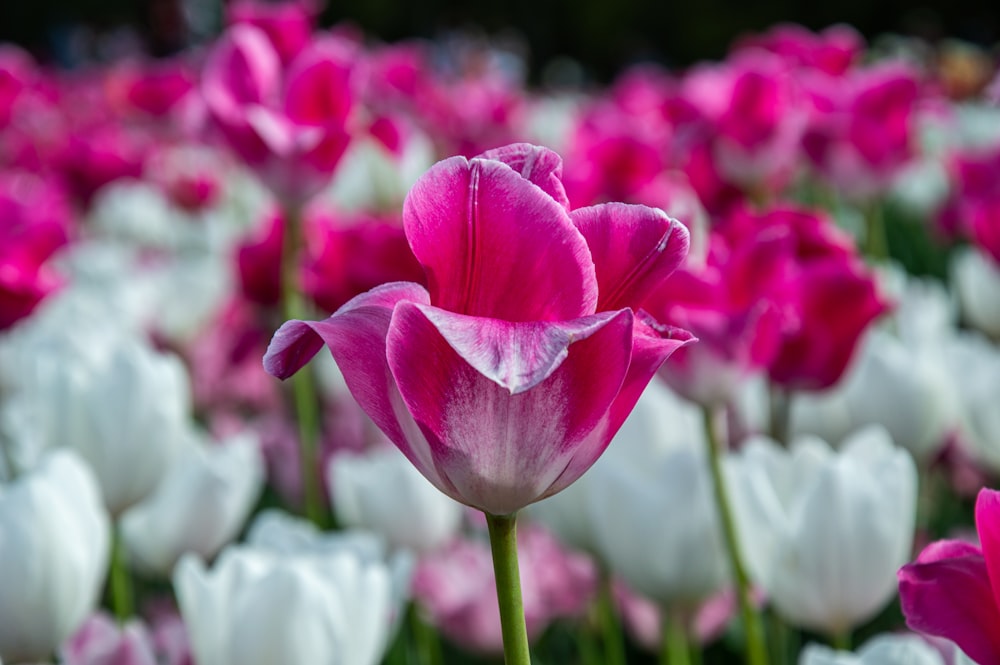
[(316, 350)]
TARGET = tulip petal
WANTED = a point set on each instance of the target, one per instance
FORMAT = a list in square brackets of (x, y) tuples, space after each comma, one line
[(356, 336), (502, 450), (535, 163), (318, 88), (495, 245), (988, 527), (952, 598), (634, 247), (242, 69)]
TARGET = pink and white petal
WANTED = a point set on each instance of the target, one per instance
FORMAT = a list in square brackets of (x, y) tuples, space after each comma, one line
[(988, 527), (318, 85), (535, 163), (495, 245), (242, 69), (947, 549), (952, 598), (356, 337), (273, 129), (502, 451), (634, 247)]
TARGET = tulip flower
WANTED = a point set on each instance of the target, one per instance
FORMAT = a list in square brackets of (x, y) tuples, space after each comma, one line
[(100, 641), (290, 128), (200, 505), (824, 531), (887, 649), (54, 547), (976, 277), (505, 379), (952, 590)]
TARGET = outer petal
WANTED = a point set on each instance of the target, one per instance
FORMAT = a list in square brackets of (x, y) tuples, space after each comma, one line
[(952, 598), (499, 449), (988, 527), (356, 336), (634, 248), (535, 163), (318, 86), (495, 245)]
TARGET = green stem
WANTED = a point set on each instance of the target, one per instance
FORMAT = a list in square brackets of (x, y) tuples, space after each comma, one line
[(120, 582), (304, 394), (503, 543), (676, 647), (614, 640), (426, 639), (876, 240), (841, 641), (780, 413), (587, 646), (756, 651)]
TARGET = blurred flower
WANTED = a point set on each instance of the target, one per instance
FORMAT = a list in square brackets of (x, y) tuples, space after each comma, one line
[(122, 406), (55, 546), (289, 596), (199, 506), (951, 590), (975, 377), (288, 24), (288, 127), (976, 277), (886, 649), (824, 531), (832, 51), (101, 641), (457, 588), (381, 491), (507, 377)]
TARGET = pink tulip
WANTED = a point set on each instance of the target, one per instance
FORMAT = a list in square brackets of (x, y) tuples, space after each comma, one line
[(100, 641), (973, 209), (290, 126), (952, 590), (861, 133), (288, 24), (832, 51), (505, 378), (830, 296)]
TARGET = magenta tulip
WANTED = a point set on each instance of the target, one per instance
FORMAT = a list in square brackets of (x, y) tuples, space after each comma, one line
[(288, 126), (506, 378), (952, 590)]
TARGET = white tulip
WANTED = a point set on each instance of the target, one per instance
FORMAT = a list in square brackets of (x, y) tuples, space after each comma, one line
[(200, 506), (123, 406), (383, 492), (904, 649), (261, 605), (975, 365), (976, 277), (824, 532), (54, 547)]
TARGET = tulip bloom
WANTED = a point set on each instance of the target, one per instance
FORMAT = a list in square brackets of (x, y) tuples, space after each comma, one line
[(505, 378), (952, 590), (290, 127)]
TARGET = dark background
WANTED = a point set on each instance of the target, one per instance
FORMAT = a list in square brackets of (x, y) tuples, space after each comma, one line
[(603, 35)]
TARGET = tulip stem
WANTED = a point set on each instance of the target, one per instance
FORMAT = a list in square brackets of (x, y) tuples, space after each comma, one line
[(841, 641), (303, 386), (876, 240), (780, 414), (614, 641), (503, 544), (427, 642), (676, 646), (120, 582), (756, 651)]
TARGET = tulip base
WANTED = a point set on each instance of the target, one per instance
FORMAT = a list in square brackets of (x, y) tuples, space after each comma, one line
[(503, 544)]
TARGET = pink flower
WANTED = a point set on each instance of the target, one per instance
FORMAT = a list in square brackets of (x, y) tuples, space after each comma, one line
[(457, 588), (974, 206), (100, 641), (507, 377), (832, 51), (289, 127), (952, 590), (860, 135)]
